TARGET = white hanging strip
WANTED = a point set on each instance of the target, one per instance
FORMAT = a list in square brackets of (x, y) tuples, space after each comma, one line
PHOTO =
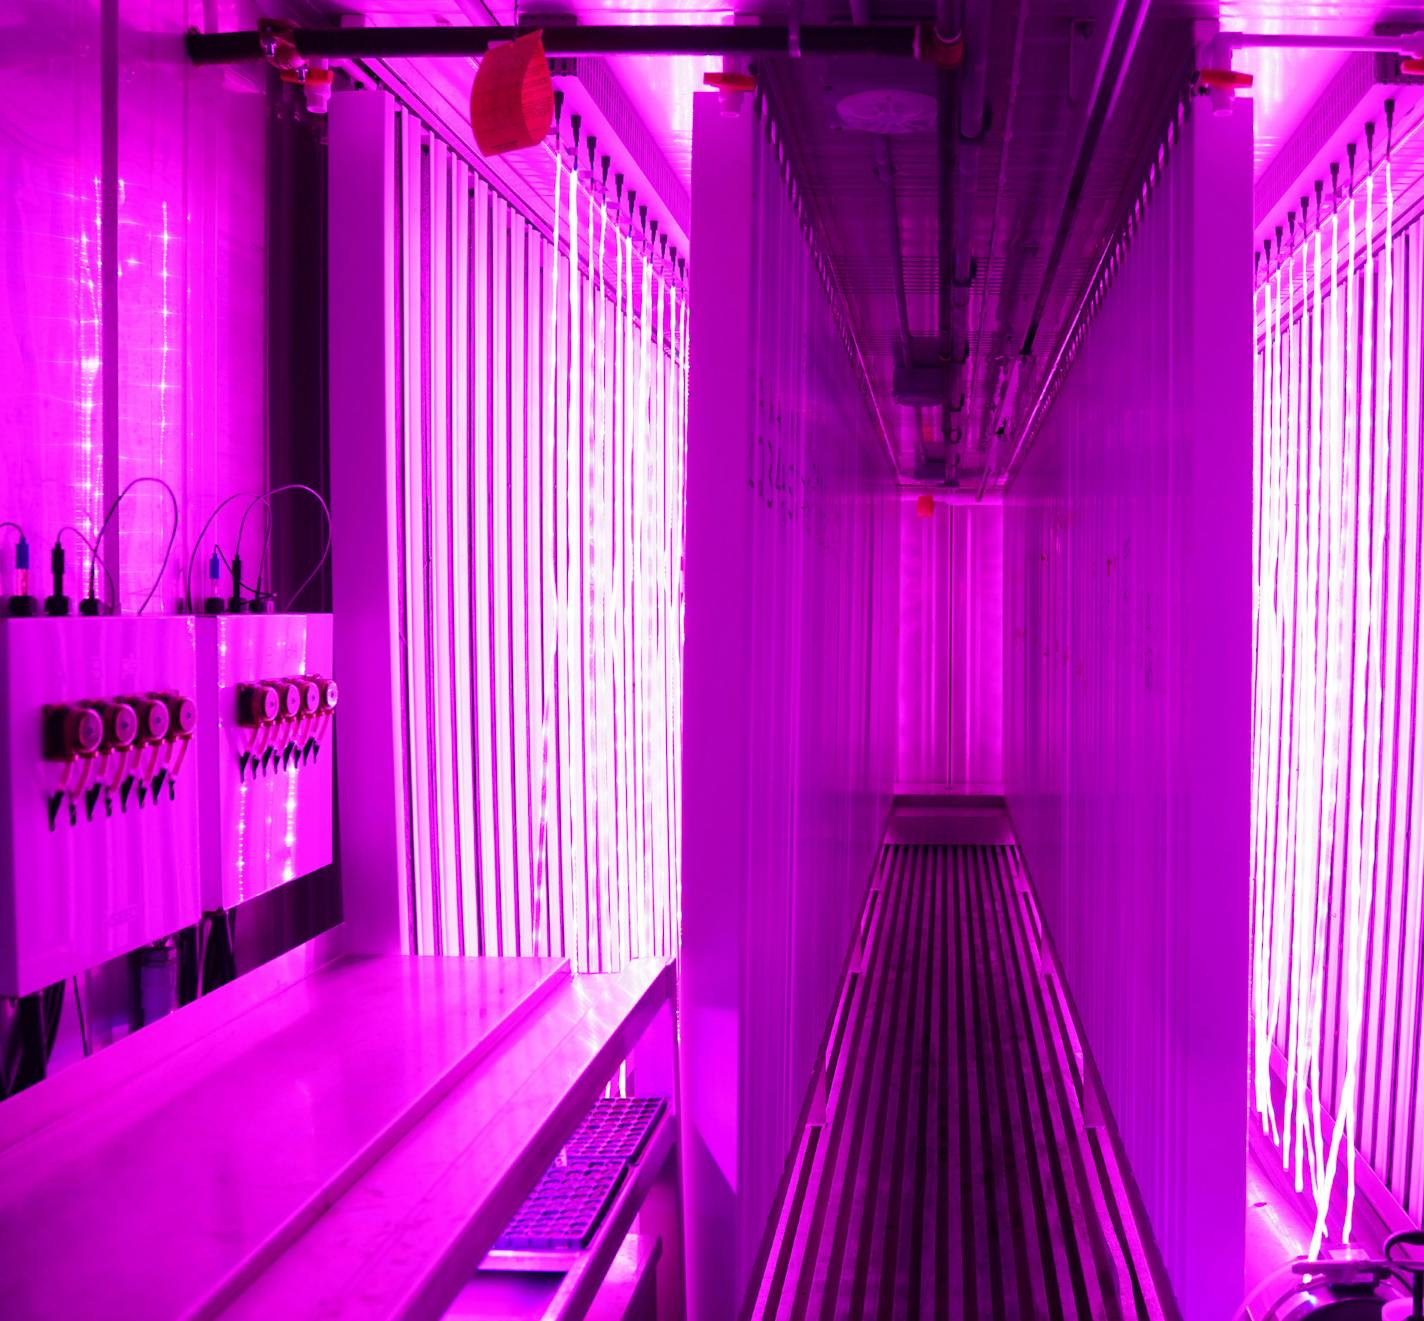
[(543, 898), (611, 432), (576, 938), (601, 560), (589, 456)]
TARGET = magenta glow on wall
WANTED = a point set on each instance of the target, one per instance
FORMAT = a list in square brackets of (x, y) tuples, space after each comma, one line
[(1127, 644), (789, 743), (951, 648)]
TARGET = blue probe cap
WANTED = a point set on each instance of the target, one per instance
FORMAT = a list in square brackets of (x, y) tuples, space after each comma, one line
[(22, 554), (213, 564)]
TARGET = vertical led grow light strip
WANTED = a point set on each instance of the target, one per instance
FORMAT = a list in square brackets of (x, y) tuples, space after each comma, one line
[(497, 497), (597, 538), (465, 785), (571, 880), (1336, 616), (88, 508), (542, 898), (476, 643), (517, 506)]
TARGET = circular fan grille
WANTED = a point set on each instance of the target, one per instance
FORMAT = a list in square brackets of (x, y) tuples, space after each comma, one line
[(888, 110)]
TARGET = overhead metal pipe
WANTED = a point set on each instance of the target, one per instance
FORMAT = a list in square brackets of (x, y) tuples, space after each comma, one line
[(949, 21), (974, 73), (1127, 19), (1402, 43), (949, 343), (962, 122), (907, 40), (989, 405), (902, 303)]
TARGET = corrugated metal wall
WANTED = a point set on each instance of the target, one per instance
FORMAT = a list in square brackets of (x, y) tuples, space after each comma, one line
[(1128, 693), (792, 589), (951, 671), (540, 434), (1338, 862)]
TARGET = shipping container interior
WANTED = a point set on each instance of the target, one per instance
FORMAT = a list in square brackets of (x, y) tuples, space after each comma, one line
[(712, 659)]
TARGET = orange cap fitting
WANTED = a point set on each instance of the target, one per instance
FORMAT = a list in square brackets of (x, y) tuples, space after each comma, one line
[(1225, 80), (726, 80)]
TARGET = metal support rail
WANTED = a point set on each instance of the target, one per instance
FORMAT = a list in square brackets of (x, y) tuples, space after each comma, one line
[(908, 40)]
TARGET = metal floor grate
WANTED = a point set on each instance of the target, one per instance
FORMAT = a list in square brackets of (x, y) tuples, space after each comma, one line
[(954, 1174)]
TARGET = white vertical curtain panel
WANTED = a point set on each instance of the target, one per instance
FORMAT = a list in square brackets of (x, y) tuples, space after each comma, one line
[(1338, 851), (542, 437), (1128, 688)]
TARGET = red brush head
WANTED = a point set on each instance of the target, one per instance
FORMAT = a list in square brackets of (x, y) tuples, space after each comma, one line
[(512, 102)]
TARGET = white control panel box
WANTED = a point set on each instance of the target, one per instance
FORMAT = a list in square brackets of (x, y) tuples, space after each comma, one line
[(98, 789), (268, 709)]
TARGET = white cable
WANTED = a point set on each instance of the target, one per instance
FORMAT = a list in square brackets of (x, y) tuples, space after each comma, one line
[(167, 550)]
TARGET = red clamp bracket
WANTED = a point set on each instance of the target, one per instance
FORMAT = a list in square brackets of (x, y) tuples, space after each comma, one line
[(941, 52), (279, 48)]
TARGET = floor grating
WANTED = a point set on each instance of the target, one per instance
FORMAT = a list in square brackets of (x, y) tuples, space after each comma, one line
[(954, 1175)]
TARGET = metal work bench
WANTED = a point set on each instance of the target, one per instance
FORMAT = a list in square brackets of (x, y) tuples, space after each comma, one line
[(337, 1137)]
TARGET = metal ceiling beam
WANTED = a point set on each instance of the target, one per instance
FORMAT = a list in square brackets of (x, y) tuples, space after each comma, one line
[(1408, 43), (994, 375), (1128, 17), (907, 40)]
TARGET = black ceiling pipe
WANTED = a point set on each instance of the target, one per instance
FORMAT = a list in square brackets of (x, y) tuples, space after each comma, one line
[(906, 40), (951, 325), (961, 126)]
